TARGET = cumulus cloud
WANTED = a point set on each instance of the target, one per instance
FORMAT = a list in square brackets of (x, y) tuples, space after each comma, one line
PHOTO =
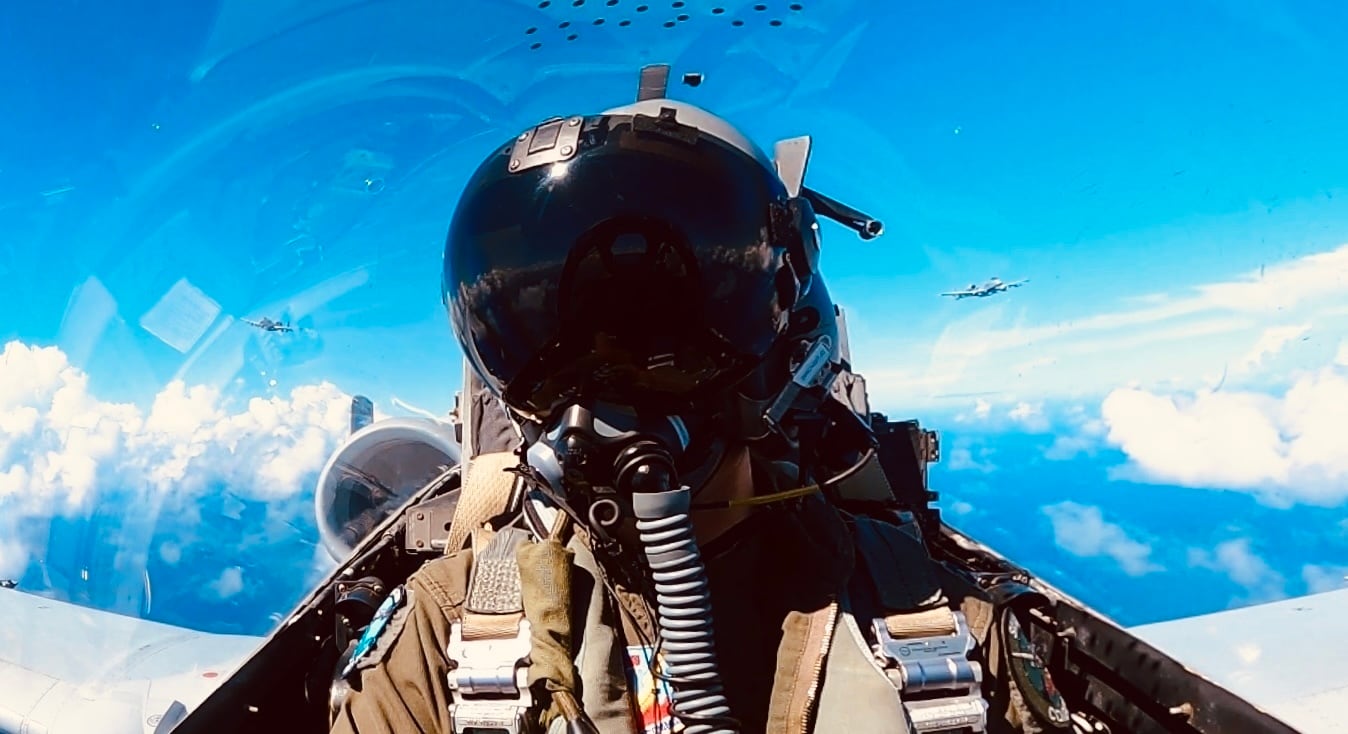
[(963, 458), (163, 475), (1272, 341), (1246, 322), (960, 507), (1324, 578), (1284, 448), (1029, 417), (229, 583), (1238, 562), (1066, 448), (1082, 531), (12, 559)]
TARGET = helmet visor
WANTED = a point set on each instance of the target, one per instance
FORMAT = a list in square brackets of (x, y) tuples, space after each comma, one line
[(641, 271)]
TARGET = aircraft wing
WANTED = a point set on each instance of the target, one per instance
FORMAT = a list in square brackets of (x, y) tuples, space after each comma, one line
[(1285, 656), (1018, 283), (957, 294), (66, 668)]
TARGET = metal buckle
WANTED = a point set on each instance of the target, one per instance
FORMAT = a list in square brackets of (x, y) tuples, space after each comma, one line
[(489, 682), (936, 664), (964, 713), (487, 717), (814, 370)]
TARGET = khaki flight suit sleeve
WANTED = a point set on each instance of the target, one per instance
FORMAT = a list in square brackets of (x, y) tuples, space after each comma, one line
[(401, 684)]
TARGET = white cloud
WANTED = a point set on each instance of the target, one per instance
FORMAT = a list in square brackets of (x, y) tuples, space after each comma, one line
[(1270, 343), (229, 583), (1082, 530), (1079, 432), (170, 552), (13, 557), (60, 440), (1030, 417), (960, 507), (1238, 562), (1066, 448), (1324, 578), (1287, 448), (1341, 357), (961, 458), (1244, 322), (156, 471)]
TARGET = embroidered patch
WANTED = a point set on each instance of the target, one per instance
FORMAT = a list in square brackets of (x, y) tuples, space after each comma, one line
[(1031, 676), (372, 645), (652, 695)]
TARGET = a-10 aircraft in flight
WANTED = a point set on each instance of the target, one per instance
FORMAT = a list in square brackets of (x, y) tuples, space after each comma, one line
[(267, 324), (992, 287)]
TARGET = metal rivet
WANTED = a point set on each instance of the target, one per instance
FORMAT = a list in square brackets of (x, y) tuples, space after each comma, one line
[(421, 516), (514, 165), (573, 121), (566, 150), (421, 544), (523, 137)]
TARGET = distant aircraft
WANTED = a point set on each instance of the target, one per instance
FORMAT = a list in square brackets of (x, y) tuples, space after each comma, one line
[(267, 324), (991, 287)]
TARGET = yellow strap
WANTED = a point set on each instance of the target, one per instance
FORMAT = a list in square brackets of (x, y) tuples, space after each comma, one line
[(762, 499), (485, 494)]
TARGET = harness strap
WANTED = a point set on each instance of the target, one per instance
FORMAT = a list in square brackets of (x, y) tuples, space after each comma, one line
[(489, 646), (485, 494), (899, 567), (923, 643)]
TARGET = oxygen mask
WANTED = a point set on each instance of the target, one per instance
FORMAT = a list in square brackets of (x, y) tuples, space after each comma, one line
[(607, 461)]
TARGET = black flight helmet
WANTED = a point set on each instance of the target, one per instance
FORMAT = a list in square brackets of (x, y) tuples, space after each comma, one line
[(638, 257)]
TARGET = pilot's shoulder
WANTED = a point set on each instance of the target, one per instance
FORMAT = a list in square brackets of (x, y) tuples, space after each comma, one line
[(894, 562), (382, 633), (428, 602), (443, 581)]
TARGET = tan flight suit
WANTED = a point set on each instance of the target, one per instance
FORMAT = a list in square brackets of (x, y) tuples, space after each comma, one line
[(792, 658)]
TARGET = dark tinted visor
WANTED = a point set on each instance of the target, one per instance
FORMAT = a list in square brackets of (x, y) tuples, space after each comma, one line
[(640, 270)]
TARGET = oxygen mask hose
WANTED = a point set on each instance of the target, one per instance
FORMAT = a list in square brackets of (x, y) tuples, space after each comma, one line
[(683, 614)]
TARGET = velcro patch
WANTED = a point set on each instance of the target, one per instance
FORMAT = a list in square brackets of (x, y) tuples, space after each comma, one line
[(382, 631), (652, 694)]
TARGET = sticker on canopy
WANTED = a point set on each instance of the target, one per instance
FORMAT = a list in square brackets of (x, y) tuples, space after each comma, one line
[(653, 696)]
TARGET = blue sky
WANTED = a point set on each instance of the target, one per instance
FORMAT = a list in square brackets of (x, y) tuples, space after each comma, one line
[(1149, 423)]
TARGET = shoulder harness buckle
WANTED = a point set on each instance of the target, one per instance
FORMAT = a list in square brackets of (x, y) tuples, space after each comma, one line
[(927, 659), (490, 682), (489, 647)]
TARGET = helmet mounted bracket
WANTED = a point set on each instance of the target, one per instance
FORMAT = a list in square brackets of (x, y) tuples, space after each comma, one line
[(551, 141), (654, 82)]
